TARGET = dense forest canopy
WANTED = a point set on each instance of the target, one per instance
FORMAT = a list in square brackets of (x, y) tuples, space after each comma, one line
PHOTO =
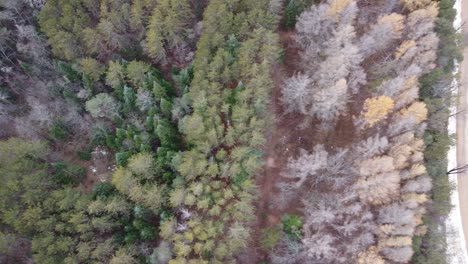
[(185, 131)]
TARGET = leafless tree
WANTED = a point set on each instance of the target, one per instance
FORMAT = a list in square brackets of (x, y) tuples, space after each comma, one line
[(297, 93), (372, 146), (398, 254)]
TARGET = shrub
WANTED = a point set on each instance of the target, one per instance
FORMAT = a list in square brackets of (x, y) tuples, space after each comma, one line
[(103, 189), (84, 154), (148, 233), (98, 135), (67, 174), (68, 72), (59, 130), (293, 9), (70, 95), (121, 158), (292, 225)]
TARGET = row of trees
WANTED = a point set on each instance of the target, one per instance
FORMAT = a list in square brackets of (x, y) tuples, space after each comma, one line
[(327, 38), (374, 192), (229, 94), (436, 91)]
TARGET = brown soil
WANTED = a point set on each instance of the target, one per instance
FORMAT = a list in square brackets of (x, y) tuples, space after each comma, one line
[(98, 169)]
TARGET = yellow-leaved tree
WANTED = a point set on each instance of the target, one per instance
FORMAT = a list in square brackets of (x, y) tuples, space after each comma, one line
[(377, 109), (418, 110), (337, 6), (370, 256), (416, 4)]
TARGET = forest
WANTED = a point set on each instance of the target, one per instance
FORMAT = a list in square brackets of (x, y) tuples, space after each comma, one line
[(226, 131)]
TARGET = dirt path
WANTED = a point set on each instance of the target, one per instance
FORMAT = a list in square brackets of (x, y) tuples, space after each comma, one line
[(462, 129), (283, 139)]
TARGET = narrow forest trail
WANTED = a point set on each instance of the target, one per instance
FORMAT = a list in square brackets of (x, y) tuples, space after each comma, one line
[(283, 139)]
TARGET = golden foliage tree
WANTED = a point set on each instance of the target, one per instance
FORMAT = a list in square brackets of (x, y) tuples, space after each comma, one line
[(416, 4), (337, 7), (418, 110), (377, 109), (370, 256), (396, 21), (404, 47)]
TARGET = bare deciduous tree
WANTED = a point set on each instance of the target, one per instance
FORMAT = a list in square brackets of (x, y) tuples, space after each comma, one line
[(297, 93), (398, 254), (382, 34), (307, 165), (374, 145)]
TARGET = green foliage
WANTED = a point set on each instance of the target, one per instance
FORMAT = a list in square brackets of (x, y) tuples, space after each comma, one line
[(292, 225), (129, 99), (293, 9), (168, 27), (59, 130), (103, 189), (238, 47), (67, 174), (102, 105), (70, 95), (437, 144), (167, 134), (141, 164), (24, 181), (68, 71), (148, 232), (136, 72), (450, 41), (184, 77), (115, 74), (84, 28), (55, 220), (162, 89), (84, 154), (63, 24), (98, 135), (121, 158), (435, 91), (235, 50), (270, 237), (91, 68)]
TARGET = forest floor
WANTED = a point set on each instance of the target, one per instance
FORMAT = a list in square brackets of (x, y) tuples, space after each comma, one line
[(283, 140), (288, 134), (462, 129)]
